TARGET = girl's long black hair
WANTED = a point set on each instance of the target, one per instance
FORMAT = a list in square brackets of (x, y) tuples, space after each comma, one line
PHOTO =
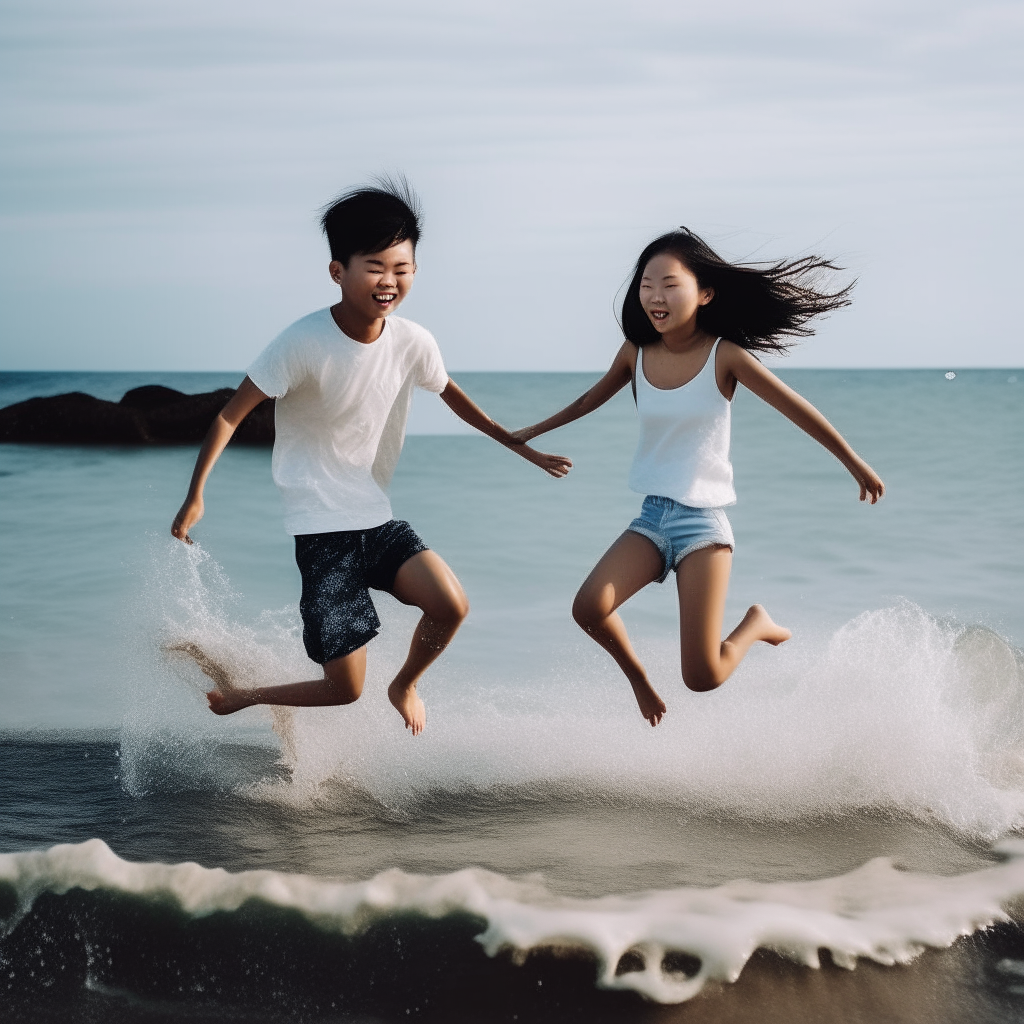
[(759, 306)]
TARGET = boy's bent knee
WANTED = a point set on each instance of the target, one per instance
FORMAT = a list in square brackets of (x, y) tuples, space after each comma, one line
[(453, 611), (344, 686), (461, 608), (344, 692)]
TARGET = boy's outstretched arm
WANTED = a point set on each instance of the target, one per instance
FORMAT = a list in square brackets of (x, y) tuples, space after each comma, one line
[(469, 412), (618, 376), (226, 422)]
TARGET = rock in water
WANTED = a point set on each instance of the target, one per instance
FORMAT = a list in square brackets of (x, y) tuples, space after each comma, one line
[(151, 414)]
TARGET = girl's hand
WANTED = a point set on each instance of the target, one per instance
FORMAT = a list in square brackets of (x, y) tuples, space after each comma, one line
[(871, 485), (188, 515), (554, 465)]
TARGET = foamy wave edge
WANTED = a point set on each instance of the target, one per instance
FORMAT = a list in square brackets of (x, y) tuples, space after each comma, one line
[(876, 911)]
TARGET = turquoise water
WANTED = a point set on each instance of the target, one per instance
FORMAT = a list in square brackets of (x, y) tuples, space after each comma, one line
[(860, 789)]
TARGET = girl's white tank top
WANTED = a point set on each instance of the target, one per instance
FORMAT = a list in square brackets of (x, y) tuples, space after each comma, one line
[(683, 452)]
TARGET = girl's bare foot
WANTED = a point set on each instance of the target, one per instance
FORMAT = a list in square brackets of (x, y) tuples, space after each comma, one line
[(765, 627), (408, 704), (652, 707), (226, 698)]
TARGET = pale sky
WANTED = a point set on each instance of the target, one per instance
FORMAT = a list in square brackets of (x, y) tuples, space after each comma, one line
[(162, 166)]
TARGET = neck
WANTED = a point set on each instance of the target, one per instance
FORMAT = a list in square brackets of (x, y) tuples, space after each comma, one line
[(685, 338), (356, 325)]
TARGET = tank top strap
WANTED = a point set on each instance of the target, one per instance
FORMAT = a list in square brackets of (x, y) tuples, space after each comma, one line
[(712, 356)]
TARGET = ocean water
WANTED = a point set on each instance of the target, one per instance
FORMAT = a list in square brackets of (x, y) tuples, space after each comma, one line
[(837, 834)]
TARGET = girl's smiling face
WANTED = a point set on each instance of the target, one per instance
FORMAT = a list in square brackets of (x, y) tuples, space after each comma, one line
[(671, 295)]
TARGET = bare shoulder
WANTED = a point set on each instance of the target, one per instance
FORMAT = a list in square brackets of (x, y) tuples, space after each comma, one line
[(736, 364), (741, 363), (626, 357), (619, 374), (732, 355), (729, 366)]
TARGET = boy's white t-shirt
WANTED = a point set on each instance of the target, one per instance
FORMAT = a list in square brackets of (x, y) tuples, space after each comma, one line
[(340, 417)]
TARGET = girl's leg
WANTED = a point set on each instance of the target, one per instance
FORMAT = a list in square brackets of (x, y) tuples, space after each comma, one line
[(426, 582), (707, 660), (627, 567)]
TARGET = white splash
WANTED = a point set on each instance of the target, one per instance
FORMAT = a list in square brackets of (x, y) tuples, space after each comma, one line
[(896, 711)]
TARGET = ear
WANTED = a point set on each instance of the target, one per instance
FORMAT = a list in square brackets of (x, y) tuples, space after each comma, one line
[(706, 295), (337, 271)]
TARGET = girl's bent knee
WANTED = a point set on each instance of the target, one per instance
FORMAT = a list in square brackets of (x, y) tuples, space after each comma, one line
[(585, 615), (701, 680)]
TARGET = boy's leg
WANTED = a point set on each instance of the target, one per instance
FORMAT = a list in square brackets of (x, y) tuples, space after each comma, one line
[(424, 580), (627, 567), (706, 659), (342, 684)]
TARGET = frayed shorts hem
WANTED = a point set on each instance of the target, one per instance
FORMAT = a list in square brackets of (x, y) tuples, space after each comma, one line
[(678, 530)]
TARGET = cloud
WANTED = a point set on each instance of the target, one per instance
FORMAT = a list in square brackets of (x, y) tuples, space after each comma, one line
[(165, 163)]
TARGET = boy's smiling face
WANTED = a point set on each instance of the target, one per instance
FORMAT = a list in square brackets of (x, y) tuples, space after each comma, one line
[(373, 284)]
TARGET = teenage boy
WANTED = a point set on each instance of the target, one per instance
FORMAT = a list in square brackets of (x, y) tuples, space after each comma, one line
[(343, 379)]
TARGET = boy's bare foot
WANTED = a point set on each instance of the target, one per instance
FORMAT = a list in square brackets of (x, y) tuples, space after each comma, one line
[(407, 701), (652, 707), (226, 698), (227, 703), (765, 627)]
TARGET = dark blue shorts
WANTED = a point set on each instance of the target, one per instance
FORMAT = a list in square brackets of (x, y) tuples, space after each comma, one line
[(338, 570)]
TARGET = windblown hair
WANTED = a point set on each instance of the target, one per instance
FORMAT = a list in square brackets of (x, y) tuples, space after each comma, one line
[(757, 305), (371, 219)]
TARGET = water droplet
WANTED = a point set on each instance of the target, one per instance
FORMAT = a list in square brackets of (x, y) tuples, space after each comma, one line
[(950, 375), (1011, 380)]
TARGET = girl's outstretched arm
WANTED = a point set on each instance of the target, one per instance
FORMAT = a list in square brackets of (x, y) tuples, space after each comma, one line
[(469, 412), (741, 365), (617, 377)]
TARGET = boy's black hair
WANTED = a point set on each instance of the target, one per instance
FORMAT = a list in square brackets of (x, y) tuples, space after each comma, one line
[(371, 219), (755, 305)]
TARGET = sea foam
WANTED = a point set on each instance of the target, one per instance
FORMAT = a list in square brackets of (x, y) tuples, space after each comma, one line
[(876, 912)]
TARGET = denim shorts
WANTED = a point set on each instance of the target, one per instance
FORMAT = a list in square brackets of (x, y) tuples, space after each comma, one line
[(677, 530), (338, 570)]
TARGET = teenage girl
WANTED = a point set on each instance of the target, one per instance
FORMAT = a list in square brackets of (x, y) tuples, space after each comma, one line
[(692, 322)]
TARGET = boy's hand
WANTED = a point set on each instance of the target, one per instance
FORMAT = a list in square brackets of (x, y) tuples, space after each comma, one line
[(554, 465), (460, 403), (188, 515)]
